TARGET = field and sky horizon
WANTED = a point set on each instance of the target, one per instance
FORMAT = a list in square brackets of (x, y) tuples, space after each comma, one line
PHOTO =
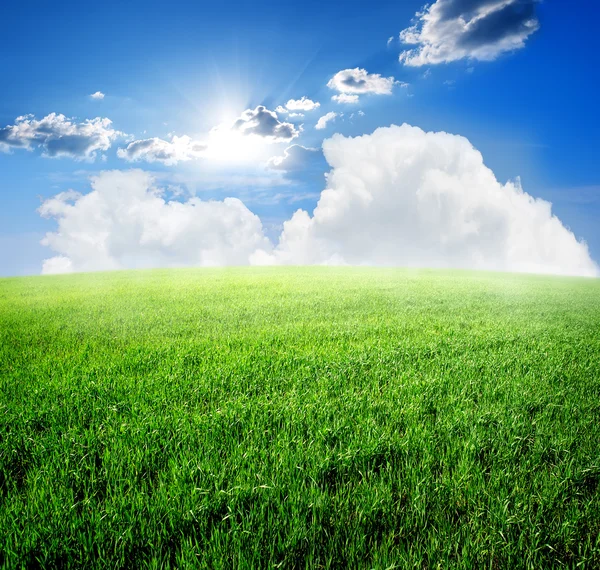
[(300, 285)]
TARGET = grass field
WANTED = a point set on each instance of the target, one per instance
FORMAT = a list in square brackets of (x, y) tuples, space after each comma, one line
[(299, 418)]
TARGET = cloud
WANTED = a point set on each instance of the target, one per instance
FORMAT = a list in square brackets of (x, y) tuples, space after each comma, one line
[(57, 136), (359, 81), (97, 96), (125, 222), (179, 149), (401, 196), (264, 123), (449, 30), (296, 158), (302, 104), (327, 118), (345, 98)]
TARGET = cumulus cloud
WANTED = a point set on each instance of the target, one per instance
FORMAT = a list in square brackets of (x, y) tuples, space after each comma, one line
[(345, 98), (264, 123), (449, 30), (179, 149), (57, 136), (302, 104), (296, 158), (125, 222), (97, 96), (327, 118), (399, 196), (359, 81), (402, 196)]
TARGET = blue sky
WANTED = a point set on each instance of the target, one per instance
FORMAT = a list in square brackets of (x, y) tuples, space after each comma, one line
[(187, 67)]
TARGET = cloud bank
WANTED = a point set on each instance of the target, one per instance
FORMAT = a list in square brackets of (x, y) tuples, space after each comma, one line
[(399, 196), (124, 222), (179, 149), (450, 30), (57, 136)]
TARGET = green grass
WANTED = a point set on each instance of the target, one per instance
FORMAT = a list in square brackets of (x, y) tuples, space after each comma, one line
[(299, 418)]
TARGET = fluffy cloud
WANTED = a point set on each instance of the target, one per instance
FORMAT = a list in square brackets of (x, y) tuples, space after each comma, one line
[(449, 30), (57, 136), (359, 81), (401, 196), (264, 123), (296, 158), (124, 222), (345, 98), (302, 104), (97, 96), (327, 118), (179, 149)]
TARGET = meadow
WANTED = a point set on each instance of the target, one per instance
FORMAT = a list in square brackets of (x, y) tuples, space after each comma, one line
[(299, 418)]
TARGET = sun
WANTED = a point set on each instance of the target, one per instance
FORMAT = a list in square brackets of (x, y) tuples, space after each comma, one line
[(226, 145)]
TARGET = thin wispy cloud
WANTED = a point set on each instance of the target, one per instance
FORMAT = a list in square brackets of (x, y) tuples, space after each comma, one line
[(325, 120), (178, 149)]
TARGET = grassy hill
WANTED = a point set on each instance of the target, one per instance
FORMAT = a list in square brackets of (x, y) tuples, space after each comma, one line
[(299, 417)]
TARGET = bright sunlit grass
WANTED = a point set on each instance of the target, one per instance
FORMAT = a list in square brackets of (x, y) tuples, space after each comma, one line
[(299, 418)]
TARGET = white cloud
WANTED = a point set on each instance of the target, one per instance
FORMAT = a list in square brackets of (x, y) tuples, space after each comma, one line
[(265, 124), (57, 136), (302, 104), (345, 98), (124, 222), (327, 118), (294, 115), (390, 40), (401, 196), (179, 149), (449, 30), (359, 81), (97, 96), (280, 109), (295, 158)]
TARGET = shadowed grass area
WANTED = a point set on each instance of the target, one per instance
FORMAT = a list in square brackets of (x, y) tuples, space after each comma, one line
[(299, 418)]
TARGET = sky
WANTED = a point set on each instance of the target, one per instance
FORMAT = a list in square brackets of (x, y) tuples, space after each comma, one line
[(462, 133)]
